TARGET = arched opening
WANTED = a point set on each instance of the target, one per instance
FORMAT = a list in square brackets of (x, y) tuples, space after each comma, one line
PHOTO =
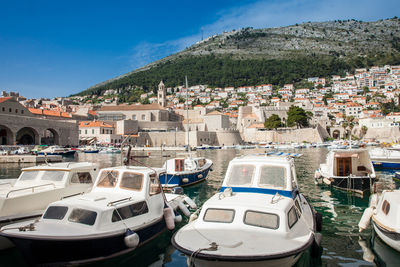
[(6, 136), (336, 134), (50, 137), (27, 136)]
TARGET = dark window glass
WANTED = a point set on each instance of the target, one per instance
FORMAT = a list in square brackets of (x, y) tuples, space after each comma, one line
[(55, 212), (130, 211), (83, 216), (261, 219), (292, 217)]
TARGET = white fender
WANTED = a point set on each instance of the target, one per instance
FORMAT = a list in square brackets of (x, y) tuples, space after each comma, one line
[(169, 218), (131, 239), (178, 218), (183, 208), (373, 200), (190, 202), (200, 176), (327, 181), (362, 225), (185, 180)]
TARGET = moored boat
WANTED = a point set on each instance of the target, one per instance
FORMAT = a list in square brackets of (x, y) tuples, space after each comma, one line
[(347, 169), (185, 171), (383, 158), (125, 209), (258, 218), (384, 211), (57, 150), (36, 187)]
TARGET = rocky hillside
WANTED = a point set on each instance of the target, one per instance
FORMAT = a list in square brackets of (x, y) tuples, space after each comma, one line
[(273, 55)]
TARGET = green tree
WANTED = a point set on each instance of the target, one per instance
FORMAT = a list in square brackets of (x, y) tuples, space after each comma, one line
[(273, 122), (297, 116)]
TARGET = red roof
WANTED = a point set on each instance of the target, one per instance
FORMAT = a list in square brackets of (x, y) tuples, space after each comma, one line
[(48, 112), (3, 99), (83, 124)]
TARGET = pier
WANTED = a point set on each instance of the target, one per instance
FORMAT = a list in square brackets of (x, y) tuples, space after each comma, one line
[(29, 159)]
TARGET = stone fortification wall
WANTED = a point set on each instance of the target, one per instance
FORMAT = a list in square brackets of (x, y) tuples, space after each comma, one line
[(160, 125), (228, 138), (388, 135), (313, 135)]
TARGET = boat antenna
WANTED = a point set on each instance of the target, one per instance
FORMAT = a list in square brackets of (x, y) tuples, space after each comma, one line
[(187, 113)]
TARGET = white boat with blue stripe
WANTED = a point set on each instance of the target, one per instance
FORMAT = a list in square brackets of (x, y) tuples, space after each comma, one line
[(185, 171), (258, 218)]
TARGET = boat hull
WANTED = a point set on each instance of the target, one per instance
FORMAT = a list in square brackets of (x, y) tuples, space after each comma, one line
[(386, 164), (359, 185), (64, 154), (61, 251), (179, 179), (392, 239)]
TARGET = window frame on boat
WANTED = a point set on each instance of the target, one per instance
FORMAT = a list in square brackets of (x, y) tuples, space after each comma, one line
[(83, 177), (82, 220), (154, 185), (50, 209), (123, 178), (43, 176), (264, 213), (118, 214), (22, 178), (107, 184), (216, 221), (285, 184), (298, 206), (288, 217), (231, 170)]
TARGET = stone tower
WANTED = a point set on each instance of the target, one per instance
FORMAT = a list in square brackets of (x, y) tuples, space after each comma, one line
[(162, 94)]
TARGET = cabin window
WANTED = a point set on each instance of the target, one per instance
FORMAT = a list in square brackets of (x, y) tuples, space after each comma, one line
[(179, 165), (241, 175), (108, 178), (131, 181), (261, 219), (54, 176), (83, 216), (81, 178), (129, 211), (219, 215), (28, 175), (55, 212), (155, 187), (298, 208), (386, 207), (273, 176), (292, 217)]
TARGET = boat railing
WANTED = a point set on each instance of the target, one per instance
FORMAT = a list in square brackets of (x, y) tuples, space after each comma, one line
[(30, 187), (73, 195), (118, 201)]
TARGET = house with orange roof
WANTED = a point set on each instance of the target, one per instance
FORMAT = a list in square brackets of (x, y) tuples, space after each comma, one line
[(99, 132)]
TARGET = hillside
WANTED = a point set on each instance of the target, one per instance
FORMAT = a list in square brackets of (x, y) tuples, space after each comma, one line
[(272, 55)]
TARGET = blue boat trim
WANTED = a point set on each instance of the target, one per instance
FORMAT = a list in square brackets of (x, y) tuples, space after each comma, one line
[(177, 179), (285, 193), (386, 165)]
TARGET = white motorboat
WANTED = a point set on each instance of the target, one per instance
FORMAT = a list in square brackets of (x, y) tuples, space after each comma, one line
[(57, 150), (110, 150), (36, 187), (384, 158), (185, 171), (258, 218), (384, 210), (347, 169), (125, 209)]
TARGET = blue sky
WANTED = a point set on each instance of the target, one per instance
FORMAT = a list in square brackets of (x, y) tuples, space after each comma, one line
[(57, 48)]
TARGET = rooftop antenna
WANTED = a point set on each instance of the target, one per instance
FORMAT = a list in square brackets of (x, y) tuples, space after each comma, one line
[(187, 112)]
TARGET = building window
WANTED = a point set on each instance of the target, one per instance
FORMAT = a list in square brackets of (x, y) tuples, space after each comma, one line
[(92, 131), (133, 117), (143, 117), (22, 111), (9, 110), (79, 131), (85, 131), (103, 131), (16, 110), (110, 131)]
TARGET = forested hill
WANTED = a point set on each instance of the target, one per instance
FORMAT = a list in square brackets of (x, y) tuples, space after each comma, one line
[(273, 55)]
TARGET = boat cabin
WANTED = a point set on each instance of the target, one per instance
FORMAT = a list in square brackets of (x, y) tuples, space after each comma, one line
[(350, 162), (177, 165), (262, 173), (120, 195)]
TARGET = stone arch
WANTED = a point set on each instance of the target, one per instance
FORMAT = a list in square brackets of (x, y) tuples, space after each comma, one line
[(50, 137), (27, 136), (6, 136), (336, 134)]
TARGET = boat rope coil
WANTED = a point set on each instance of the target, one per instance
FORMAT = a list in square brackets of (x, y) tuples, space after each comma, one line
[(213, 247)]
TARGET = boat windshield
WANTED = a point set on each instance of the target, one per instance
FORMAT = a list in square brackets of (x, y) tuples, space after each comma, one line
[(108, 178), (48, 175), (55, 212), (273, 177), (132, 181), (240, 175)]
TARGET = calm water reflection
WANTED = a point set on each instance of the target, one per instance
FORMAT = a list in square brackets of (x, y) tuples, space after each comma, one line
[(341, 213)]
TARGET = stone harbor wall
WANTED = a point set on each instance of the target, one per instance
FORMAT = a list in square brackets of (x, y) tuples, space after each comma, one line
[(387, 135), (311, 135)]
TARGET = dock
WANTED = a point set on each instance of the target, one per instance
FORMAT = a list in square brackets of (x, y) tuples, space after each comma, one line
[(29, 158), (164, 148)]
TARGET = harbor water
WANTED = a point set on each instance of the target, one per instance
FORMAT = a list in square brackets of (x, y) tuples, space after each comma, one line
[(342, 244)]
